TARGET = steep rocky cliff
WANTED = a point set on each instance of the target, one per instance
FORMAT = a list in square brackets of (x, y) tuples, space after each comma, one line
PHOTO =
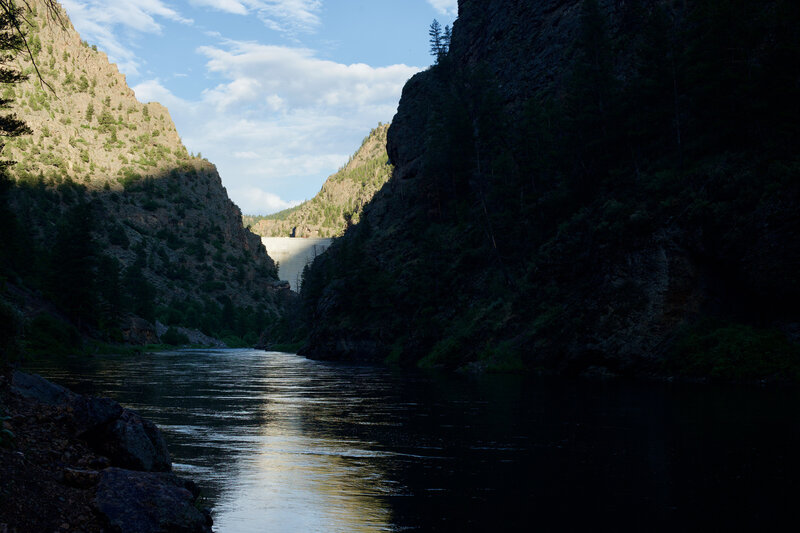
[(341, 199), (597, 186), (164, 241)]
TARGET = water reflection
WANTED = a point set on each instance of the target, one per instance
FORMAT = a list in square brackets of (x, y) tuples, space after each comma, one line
[(286, 444), (294, 481)]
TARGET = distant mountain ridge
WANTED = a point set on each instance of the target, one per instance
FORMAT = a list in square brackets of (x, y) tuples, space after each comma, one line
[(341, 199)]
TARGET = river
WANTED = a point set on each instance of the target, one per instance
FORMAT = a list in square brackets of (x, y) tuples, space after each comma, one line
[(282, 443)]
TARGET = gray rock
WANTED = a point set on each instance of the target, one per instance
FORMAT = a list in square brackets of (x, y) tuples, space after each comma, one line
[(136, 330), (195, 336), (82, 479), (133, 442), (37, 388), (126, 438), (88, 412), (146, 502)]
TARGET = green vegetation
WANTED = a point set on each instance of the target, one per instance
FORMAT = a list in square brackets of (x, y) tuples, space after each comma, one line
[(439, 40), (101, 229), (174, 338), (62, 251), (735, 352), (341, 200), (668, 130)]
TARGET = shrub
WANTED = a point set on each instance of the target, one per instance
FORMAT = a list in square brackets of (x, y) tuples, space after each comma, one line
[(174, 337), (50, 335), (735, 352)]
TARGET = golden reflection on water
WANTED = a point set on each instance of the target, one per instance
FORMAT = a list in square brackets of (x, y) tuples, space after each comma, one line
[(294, 481)]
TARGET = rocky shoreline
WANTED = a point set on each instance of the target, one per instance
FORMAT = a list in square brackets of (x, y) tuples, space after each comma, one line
[(80, 463)]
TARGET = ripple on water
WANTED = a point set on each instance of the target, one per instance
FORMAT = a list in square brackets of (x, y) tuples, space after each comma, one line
[(275, 439)]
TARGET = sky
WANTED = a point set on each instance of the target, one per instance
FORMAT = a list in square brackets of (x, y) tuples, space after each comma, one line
[(277, 93)]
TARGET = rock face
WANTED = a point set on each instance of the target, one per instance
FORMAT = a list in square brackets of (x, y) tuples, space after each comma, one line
[(140, 502), (132, 442), (123, 436), (136, 330), (341, 199), (159, 219), (88, 413), (55, 478), (561, 200)]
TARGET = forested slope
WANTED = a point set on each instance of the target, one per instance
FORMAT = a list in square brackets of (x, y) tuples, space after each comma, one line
[(108, 223), (584, 186), (340, 200)]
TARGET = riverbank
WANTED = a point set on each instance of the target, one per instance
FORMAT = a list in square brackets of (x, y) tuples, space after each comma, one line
[(70, 462)]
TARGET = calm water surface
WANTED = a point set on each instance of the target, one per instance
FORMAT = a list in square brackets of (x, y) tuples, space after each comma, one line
[(282, 443)]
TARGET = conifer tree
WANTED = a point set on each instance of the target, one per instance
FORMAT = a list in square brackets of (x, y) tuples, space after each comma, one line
[(436, 39), (12, 41), (73, 259)]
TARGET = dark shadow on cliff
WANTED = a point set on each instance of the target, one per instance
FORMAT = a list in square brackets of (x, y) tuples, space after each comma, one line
[(105, 264), (624, 201)]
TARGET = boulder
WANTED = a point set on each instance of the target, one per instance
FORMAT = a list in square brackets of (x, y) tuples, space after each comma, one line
[(127, 439), (39, 389), (136, 330), (87, 412), (132, 442), (147, 502)]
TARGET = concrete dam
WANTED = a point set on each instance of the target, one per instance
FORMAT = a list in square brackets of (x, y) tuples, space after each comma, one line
[(293, 254)]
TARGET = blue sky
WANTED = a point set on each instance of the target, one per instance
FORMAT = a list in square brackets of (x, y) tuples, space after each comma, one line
[(277, 93)]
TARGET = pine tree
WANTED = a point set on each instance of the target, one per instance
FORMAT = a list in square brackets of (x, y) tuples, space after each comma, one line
[(446, 38), (73, 262), (435, 34), (12, 41)]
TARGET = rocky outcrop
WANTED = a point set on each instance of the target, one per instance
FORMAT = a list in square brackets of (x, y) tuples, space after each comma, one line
[(341, 199), (59, 475), (127, 439), (159, 217), (525, 47), (136, 330), (543, 215), (132, 442), (87, 413), (192, 335), (141, 502)]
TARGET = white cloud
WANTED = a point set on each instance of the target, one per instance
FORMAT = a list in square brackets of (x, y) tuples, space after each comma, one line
[(288, 16), (154, 91), (259, 201), (98, 20), (276, 120), (280, 117), (229, 6), (296, 78), (445, 7), (246, 155)]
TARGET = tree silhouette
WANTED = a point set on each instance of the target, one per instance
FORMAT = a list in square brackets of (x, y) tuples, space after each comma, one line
[(12, 43), (439, 40)]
